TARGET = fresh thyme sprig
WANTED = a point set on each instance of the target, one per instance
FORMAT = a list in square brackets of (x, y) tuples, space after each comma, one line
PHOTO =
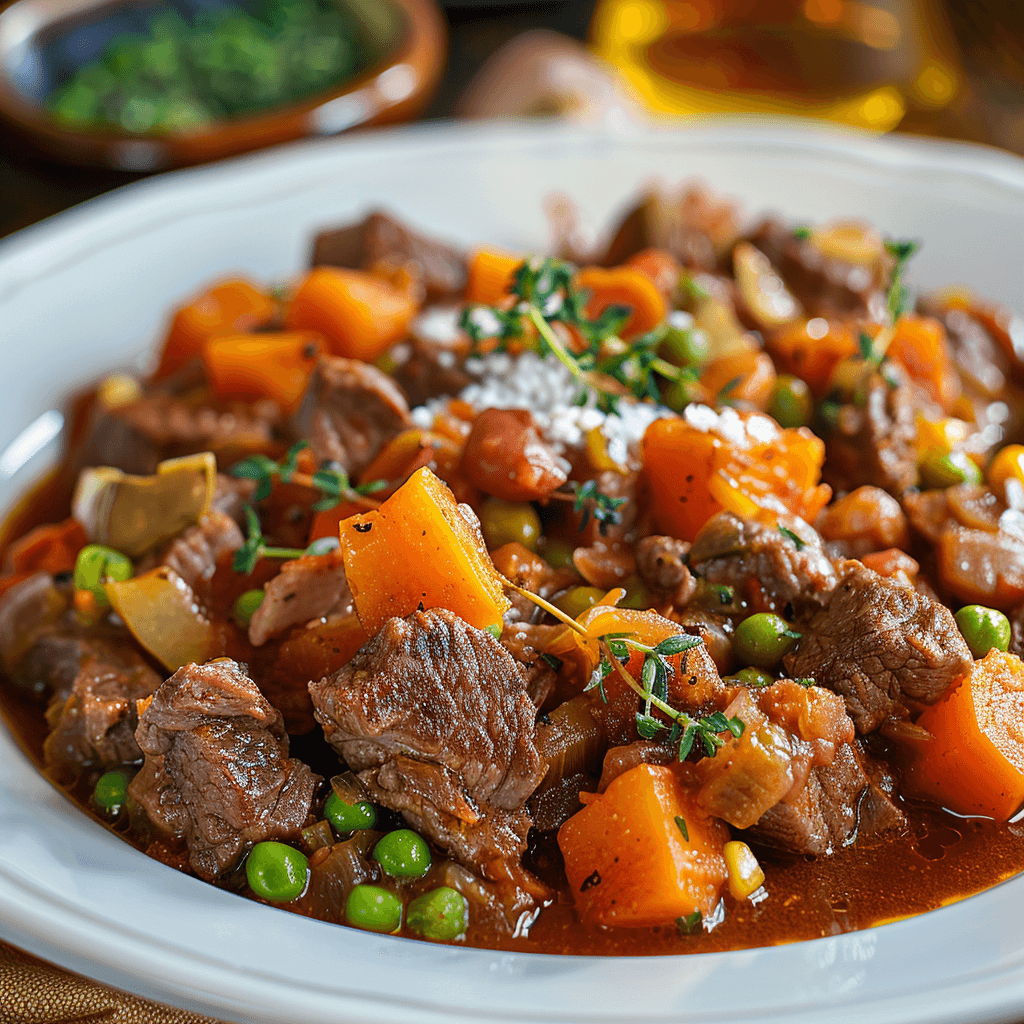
[(255, 546), (334, 484), (898, 296), (615, 649), (603, 507), (606, 366)]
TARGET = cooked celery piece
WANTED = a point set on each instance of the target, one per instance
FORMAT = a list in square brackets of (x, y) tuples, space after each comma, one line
[(162, 613), (133, 513)]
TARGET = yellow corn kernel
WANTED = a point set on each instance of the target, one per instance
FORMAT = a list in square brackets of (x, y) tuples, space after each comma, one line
[(745, 874), (1007, 464), (118, 389), (940, 435), (597, 452)]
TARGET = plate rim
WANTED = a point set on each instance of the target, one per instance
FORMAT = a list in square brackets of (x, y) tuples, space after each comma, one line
[(30, 254)]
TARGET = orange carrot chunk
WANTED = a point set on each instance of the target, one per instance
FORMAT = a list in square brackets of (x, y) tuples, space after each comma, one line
[(920, 347), (359, 314), (624, 286), (52, 548), (248, 367), (420, 549), (227, 308), (642, 854), (700, 464), (975, 762), (490, 276)]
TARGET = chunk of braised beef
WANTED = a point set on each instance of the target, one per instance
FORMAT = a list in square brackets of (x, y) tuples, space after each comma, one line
[(93, 718), (307, 588), (695, 226), (661, 565), (28, 609), (875, 442), (428, 369), (822, 817), (196, 552), (883, 646), (774, 564), (217, 771), (789, 730), (506, 457), (357, 409), (160, 425), (715, 629), (434, 716), (825, 286), (232, 494), (380, 238)]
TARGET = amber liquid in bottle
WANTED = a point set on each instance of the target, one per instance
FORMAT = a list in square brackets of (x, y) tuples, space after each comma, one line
[(858, 62)]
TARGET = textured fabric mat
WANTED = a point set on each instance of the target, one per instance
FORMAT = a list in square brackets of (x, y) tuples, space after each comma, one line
[(34, 992)]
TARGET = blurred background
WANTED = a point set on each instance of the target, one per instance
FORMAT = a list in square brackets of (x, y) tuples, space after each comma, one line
[(96, 93)]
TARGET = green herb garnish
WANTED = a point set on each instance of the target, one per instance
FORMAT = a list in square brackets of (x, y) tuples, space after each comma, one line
[(790, 535)]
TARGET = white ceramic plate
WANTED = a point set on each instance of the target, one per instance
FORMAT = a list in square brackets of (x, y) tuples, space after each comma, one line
[(88, 290)]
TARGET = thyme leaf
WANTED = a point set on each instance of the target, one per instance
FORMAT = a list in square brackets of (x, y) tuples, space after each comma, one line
[(255, 546), (790, 535)]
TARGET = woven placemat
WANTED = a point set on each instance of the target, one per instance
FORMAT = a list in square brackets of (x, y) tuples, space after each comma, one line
[(34, 992)]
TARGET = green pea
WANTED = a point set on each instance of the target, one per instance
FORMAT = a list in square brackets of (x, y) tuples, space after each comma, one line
[(792, 404), (576, 601), (276, 872), (349, 817), (750, 677), (403, 854), (111, 791), (503, 522), (495, 629), (983, 629), (97, 565), (762, 639), (441, 914), (948, 469), (557, 554), (685, 346), (373, 908), (245, 607)]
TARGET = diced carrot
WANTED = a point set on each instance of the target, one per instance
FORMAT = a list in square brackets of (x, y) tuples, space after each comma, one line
[(359, 314), (751, 467), (52, 548), (747, 377), (628, 861), (920, 347), (420, 549), (312, 653), (811, 350), (249, 367), (975, 762), (490, 276), (326, 522), (227, 308), (660, 266), (624, 286)]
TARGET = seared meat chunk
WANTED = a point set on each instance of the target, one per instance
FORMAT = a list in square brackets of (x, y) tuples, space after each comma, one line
[(217, 770), (231, 494), (434, 716), (660, 562), (875, 443), (881, 645), (825, 286), (788, 731), (311, 587), (823, 815), (27, 610), (428, 368), (381, 238), (749, 555), (194, 554), (358, 409), (93, 720), (161, 425)]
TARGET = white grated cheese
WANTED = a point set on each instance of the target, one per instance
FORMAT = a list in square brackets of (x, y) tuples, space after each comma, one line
[(548, 391)]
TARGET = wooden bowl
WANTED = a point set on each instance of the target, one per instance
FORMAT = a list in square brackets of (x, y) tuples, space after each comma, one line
[(409, 40)]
